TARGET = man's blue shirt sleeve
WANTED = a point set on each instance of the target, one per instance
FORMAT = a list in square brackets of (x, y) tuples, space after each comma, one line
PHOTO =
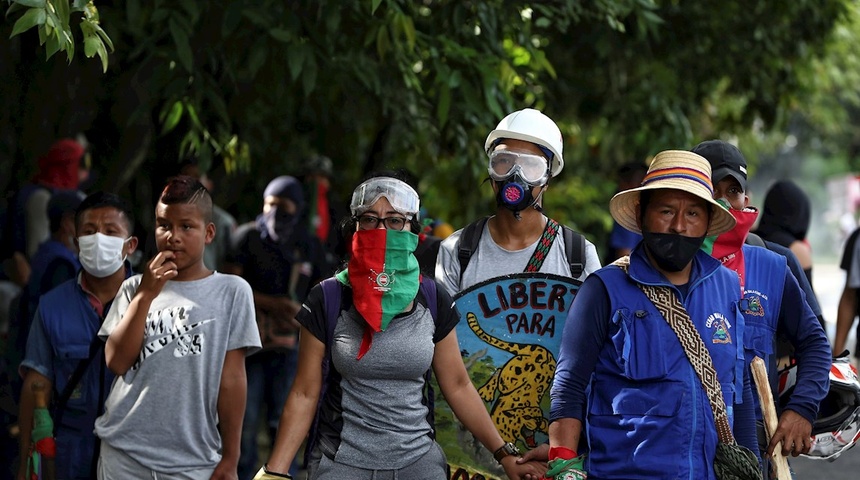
[(799, 325), (39, 354), (583, 336)]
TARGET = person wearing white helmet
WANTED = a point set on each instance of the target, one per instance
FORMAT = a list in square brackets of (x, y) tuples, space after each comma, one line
[(524, 152)]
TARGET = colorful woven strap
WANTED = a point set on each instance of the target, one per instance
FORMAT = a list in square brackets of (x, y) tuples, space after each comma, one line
[(679, 320), (544, 244)]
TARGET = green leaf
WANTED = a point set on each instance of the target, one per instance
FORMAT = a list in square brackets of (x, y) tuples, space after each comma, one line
[(183, 46), (103, 55), (257, 57), (103, 35), (14, 7), (33, 17), (91, 45), (63, 13), (192, 113), (173, 117), (295, 59), (309, 76), (257, 18), (52, 44), (281, 35), (31, 3), (374, 4), (192, 7), (444, 105)]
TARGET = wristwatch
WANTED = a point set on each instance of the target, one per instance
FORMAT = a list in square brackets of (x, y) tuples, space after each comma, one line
[(505, 450)]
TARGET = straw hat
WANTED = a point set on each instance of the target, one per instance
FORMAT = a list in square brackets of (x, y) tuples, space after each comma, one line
[(679, 170)]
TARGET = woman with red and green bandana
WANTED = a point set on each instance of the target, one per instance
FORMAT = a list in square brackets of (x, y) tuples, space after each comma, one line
[(373, 419)]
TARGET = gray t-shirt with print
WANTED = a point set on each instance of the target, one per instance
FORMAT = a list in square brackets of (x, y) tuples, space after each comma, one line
[(490, 260), (164, 411)]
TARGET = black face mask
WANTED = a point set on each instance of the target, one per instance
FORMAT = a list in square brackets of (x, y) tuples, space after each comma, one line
[(515, 194), (278, 224), (671, 252)]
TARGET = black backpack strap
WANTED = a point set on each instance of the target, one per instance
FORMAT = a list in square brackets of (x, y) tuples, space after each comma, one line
[(428, 289), (574, 250), (332, 291), (74, 380), (468, 242)]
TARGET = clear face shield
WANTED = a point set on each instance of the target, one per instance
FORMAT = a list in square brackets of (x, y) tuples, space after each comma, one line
[(403, 198), (504, 164)]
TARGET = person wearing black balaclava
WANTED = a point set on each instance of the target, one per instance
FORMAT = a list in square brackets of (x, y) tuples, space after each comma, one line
[(785, 220), (281, 260)]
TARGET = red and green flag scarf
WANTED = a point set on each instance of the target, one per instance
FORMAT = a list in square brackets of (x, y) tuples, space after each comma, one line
[(384, 277), (727, 247)]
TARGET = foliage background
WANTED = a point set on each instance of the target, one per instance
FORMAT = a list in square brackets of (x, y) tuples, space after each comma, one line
[(250, 89)]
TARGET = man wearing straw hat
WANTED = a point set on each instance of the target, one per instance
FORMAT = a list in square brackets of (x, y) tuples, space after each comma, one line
[(623, 376), (772, 304)]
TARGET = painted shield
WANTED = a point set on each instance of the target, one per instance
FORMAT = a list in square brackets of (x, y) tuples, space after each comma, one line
[(509, 333)]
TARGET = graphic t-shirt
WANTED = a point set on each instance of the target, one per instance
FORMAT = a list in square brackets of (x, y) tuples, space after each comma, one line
[(164, 411)]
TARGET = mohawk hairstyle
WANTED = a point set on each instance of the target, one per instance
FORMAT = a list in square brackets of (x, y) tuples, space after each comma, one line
[(187, 189)]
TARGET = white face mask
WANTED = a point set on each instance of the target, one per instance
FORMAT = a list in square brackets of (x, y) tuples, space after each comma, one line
[(101, 255)]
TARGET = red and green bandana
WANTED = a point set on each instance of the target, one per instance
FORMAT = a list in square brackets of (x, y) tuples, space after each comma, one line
[(727, 247), (384, 277)]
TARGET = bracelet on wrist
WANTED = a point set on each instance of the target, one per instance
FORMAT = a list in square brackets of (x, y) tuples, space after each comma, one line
[(276, 474)]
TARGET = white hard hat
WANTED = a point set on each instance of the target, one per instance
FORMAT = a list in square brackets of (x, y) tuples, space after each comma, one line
[(530, 125)]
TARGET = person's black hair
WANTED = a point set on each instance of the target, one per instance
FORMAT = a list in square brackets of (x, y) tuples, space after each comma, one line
[(631, 171), (107, 199), (188, 190)]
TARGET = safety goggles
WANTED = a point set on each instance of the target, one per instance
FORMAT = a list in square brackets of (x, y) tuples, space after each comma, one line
[(400, 195), (532, 168)]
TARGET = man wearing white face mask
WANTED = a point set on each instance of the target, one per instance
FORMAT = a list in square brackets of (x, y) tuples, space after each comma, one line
[(64, 354)]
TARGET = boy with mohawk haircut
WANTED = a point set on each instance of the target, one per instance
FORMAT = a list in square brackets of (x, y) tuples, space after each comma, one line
[(177, 337)]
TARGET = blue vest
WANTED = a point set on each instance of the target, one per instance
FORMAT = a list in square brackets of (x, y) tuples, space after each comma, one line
[(645, 400), (49, 251), (764, 273), (71, 324)]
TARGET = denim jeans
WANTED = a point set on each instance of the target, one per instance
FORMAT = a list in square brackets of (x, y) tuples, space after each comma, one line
[(270, 377)]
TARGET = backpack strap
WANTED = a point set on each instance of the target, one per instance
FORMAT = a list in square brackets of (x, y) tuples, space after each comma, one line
[(63, 398), (428, 289), (574, 246), (468, 242), (332, 291), (574, 250)]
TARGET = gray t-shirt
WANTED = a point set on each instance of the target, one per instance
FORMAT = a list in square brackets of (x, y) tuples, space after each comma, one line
[(164, 411), (379, 407), (490, 261)]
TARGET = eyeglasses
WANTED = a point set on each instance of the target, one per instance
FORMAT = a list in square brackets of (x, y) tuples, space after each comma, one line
[(369, 222), (505, 163)]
